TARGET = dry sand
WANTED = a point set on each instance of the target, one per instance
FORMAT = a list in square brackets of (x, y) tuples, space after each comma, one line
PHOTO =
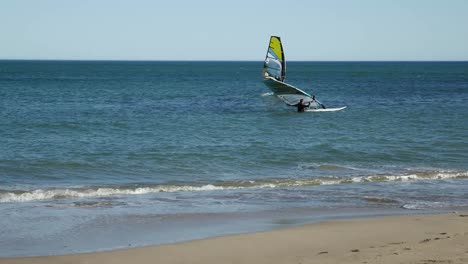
[(418, 239)]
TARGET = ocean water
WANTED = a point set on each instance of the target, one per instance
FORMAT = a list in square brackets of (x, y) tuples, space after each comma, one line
[(105, 155)]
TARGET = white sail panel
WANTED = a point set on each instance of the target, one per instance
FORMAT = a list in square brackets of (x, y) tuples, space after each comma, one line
[(288, 93)]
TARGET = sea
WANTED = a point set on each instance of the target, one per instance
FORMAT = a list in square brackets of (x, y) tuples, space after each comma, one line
[(103, 155)]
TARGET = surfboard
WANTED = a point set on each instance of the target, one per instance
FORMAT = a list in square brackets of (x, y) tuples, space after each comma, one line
[(325, 110)]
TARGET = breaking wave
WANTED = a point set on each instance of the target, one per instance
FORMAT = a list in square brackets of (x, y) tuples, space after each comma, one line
[(7, 196)]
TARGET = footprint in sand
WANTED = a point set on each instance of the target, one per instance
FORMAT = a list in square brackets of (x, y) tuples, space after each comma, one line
[(355, 250), (429, 261)]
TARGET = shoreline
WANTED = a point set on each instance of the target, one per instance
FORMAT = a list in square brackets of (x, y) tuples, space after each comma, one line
[(415, 238)]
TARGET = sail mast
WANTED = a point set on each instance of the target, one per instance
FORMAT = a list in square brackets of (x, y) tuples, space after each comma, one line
[(283, 61)]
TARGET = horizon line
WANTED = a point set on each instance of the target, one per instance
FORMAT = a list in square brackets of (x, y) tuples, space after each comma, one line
[(188, 60)]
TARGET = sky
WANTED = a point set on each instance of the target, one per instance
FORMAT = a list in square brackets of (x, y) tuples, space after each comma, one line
[(311, 30)]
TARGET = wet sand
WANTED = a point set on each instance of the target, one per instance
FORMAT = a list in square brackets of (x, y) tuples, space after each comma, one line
[(418, 239)]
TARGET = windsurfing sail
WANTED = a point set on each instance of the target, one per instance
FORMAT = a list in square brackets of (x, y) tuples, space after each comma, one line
[(275, 64), (274, 73)]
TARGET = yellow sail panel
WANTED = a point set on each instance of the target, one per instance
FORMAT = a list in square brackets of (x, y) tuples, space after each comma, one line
[(276, 48)]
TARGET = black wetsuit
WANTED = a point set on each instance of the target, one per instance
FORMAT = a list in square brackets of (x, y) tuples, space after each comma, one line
[(301, 107)]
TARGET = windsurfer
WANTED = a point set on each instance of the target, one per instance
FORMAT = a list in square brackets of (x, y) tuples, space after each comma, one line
[(300, 106)]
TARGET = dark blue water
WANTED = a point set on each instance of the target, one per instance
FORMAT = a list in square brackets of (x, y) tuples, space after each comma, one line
[(154, 152)]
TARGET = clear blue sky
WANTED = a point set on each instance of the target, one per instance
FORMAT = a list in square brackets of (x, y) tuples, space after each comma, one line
[(234, 30)]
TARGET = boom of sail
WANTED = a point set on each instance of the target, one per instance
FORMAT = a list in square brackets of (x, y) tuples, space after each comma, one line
[(274, 74)]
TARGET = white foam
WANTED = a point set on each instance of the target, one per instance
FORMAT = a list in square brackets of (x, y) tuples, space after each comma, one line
[(46, 194), (267, 185), (411, 207), (330, 182), (41, 194), (423, 205), (451, 175), (412, 177)]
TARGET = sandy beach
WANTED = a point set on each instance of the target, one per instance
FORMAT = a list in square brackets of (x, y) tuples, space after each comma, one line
[(419, 239)]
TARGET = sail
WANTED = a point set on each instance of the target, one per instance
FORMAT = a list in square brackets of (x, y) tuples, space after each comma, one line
[(290, 94), (275, 64), (274, 73)]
